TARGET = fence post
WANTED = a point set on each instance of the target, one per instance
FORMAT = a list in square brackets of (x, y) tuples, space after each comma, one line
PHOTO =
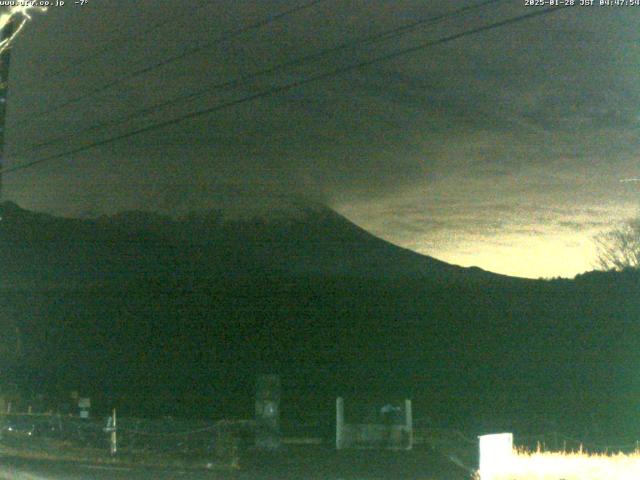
[(113, 447), (339, 423), (408, 422)]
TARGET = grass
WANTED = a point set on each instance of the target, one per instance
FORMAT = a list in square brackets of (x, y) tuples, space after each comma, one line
[(523, 465)]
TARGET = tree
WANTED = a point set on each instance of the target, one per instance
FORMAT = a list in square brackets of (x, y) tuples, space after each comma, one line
[(619, 248)]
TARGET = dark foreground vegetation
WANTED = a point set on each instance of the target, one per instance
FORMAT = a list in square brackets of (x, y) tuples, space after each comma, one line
[(161, 317)]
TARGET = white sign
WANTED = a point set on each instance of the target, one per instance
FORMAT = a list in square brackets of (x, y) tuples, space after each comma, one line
[(495, 450)]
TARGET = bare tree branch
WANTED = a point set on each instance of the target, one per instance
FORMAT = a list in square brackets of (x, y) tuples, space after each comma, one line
[(619, 248)]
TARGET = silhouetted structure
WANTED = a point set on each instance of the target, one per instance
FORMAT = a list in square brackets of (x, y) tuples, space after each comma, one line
[(5, 59), (268, 412)]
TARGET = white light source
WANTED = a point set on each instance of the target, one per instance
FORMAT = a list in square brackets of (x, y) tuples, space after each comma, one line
[(499, 461), (9, 15), (495, 451)]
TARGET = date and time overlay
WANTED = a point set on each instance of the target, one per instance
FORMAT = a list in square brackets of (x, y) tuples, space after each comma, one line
[(527, 3), (582, 3), (43, 3)]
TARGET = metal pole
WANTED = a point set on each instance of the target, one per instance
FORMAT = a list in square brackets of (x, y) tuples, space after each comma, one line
[(339, 423), (114, 439), (408, 422), (5, 59)]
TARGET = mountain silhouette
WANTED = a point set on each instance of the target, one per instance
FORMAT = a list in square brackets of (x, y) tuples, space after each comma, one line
[(43, 250), (162, 315)]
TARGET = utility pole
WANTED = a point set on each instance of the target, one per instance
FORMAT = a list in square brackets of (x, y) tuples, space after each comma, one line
[(5, 59)]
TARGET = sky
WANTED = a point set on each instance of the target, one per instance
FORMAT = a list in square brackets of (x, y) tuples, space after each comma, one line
[(506, 149)]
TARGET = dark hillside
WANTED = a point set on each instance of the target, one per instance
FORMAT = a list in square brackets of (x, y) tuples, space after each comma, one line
[(178, 317)]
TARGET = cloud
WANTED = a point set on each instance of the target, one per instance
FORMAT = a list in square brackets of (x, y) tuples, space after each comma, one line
[(520, 132)]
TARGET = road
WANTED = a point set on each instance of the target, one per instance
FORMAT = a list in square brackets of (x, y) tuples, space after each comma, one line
[(292, 464), (13, 468)]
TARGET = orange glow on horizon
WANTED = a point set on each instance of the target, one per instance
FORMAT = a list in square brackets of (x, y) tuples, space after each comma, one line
[(548, 256)]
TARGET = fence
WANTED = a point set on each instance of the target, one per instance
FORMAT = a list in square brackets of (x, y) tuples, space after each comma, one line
[(393, 429), (220, 443), (136, 439)]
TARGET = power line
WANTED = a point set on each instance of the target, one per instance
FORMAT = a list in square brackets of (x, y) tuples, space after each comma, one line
[(244, 79), (167, 61), (123, 40), (286, 87)]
